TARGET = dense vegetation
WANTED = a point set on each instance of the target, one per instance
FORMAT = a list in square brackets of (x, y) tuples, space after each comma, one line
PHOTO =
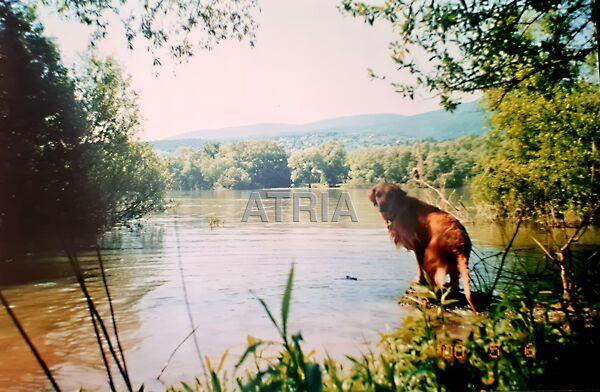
[(443, 164), (543, 158), (521, 343), (325, 164), (298, 141), (70, 163), (265, 164), (233, 166)]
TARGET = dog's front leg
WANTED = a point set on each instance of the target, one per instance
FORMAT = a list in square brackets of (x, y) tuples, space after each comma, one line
[(420, 277)]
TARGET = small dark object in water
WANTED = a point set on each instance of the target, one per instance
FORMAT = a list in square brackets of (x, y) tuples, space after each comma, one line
[(348, 277)]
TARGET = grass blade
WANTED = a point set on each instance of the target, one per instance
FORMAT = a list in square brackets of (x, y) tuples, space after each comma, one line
[(252, 348), (285, 303)]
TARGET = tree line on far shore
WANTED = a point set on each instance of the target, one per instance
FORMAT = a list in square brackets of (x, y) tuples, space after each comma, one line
[(264, 164)]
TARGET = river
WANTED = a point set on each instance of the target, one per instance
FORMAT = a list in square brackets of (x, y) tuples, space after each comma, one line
[(224, 269)]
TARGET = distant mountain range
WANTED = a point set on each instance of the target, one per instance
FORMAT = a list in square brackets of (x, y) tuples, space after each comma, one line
[(468, 119)]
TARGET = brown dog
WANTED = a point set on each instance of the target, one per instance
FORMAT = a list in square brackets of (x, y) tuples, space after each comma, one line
[(439, 240)]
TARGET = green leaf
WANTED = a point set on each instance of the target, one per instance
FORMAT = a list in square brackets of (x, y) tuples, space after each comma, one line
[(313, 378), (216, 385), (285, 303), (249, 350), (266, 308)]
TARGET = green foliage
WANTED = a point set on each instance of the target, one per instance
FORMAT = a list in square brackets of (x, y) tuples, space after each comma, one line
[(128, 177), (69, 164), (325, 164), (265, 162), (185, 170), (543, 156), (172, 28), (424, 355), (367, 166), (289, 370), (261, 164), (243, 165), (473, 45), (42, 129), (449, 163), (233, 178)]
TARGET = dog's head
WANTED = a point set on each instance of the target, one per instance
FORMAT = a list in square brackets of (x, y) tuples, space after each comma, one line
[(387, 197)]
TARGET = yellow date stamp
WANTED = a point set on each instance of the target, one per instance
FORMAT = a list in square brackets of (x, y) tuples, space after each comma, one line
[(458, 351)]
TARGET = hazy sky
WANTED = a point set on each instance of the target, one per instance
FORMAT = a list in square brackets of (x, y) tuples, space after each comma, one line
[(310, 62)]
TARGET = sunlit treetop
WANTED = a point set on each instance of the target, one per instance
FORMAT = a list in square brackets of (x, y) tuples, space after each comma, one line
[(173, 28), (455, 47)]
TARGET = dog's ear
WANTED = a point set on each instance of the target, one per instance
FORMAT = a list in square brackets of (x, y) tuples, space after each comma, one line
[(372, 197), (399, 194)]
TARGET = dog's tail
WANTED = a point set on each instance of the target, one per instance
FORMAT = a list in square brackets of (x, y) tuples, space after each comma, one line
[(463, 268)]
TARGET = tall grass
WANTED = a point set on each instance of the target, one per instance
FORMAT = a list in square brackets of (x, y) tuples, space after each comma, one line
[(521, 343)]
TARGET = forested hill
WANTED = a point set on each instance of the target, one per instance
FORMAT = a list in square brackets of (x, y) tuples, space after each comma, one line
[(354, 131)]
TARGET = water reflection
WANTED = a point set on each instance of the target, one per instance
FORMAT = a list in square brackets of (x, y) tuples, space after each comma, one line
[(221, 267)]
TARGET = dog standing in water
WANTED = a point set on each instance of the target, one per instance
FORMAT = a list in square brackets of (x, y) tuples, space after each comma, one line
[(440, 242)]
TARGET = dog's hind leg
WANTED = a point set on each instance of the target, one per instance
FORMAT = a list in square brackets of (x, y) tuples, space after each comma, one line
[(454, 277), (434, 267), (463, 268), (439, 277)]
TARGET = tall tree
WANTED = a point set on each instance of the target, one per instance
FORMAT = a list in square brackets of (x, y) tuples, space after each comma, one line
[(41, 129), (128, 178), (69, 162), (542, 157)]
